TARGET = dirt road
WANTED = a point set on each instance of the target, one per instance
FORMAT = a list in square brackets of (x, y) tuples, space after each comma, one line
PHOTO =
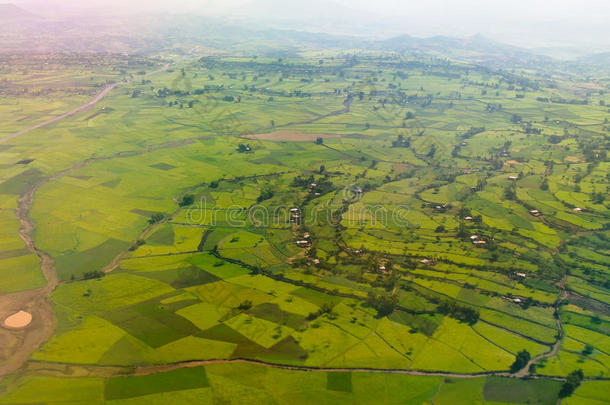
[(99, 97), (17, 345), (89, 370)]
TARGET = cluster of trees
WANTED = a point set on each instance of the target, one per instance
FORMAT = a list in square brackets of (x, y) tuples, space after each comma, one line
[(90, 275), (490, 108), (155, 218), (573, 381), (264, 196), (241, 148), (401, 142), (137, 244), (472, 132), (384, 303), (521, 360), (165, 92), (302, 182), (245, 305), (326, 308), (459, 312), (187, 200), (530, 129), (322, 185), (510, 192)]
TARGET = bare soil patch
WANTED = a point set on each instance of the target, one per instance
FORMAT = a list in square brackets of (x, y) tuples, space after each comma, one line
[(18, 320)]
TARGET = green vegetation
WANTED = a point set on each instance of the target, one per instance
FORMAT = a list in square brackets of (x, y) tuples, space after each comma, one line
[(572, 383), (374, 211), (521, 360)]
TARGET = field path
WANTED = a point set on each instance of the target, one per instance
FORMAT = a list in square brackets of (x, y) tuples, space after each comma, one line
[(17, 345), (525, 371), (58, 369), (99, 97)]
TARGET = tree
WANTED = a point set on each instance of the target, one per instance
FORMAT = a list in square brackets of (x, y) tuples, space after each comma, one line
[(572, 382), (597, 198), (521, 360), (459, 312), (326, 308), (245, 305), (155, 218), (383, 303), (587, 350), (265, 195), (319, 141), (187, 200), (241, 148)]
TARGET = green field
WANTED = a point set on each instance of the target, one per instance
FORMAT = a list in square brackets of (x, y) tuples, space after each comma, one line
[(348, 219)]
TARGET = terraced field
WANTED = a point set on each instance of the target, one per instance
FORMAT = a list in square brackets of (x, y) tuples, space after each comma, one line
[(382, 228)]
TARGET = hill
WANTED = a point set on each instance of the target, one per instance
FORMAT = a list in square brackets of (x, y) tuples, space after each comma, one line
[(9, 11)]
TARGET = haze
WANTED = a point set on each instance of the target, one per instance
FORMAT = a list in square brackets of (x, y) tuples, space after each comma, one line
[(526, 23)]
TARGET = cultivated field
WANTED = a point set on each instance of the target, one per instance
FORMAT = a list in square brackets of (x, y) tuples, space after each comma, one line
[(345, 228)]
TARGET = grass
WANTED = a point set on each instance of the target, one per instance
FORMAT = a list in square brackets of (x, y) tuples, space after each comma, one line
[(520, 391), (176, 380), (171, 300)]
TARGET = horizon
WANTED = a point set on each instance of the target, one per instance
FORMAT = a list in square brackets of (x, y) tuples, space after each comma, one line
[(579, 28)]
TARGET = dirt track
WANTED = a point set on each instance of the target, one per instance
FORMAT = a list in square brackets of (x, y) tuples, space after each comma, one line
[(89, 370), (17, 345), (77, 110)]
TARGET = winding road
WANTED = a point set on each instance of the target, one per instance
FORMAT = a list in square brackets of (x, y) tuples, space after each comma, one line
[(17, 345)]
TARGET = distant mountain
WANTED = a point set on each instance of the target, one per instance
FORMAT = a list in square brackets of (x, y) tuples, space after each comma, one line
[(602, 59), (9, 11), (476, 48), (153, 33)]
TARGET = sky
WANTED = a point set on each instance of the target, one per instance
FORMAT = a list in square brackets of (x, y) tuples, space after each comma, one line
[(528, 23), (535, 10)]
